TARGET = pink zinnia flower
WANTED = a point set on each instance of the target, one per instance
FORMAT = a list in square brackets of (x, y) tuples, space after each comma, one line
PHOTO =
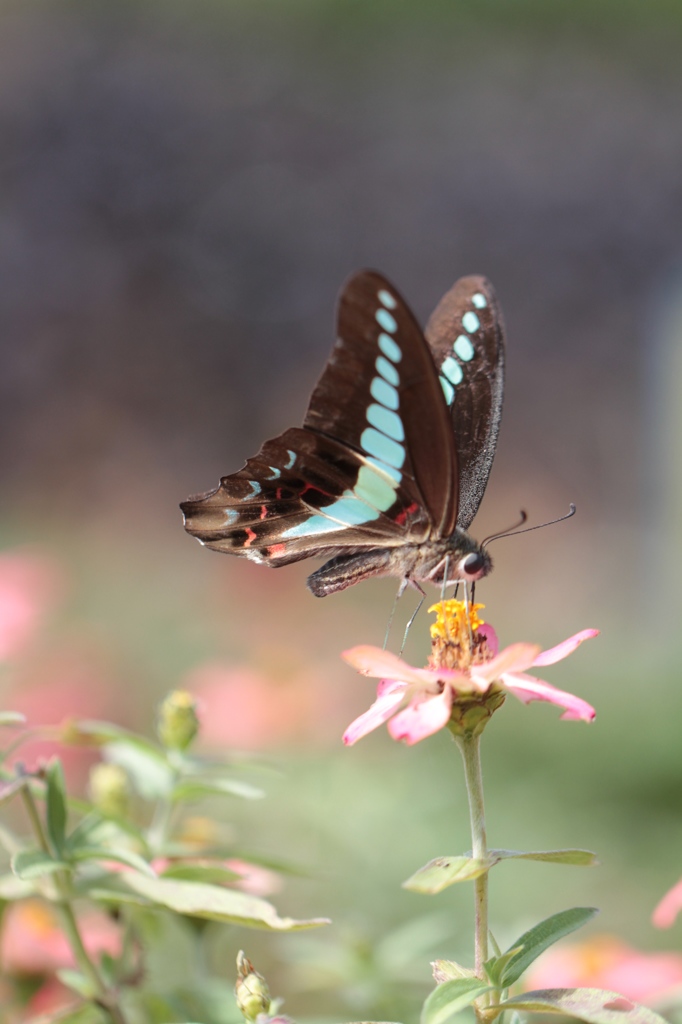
[(29, 583), (605, 962), (467, 677)]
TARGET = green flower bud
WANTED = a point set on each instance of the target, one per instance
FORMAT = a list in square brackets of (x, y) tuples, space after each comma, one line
[(109, 789), (251, 990), (178, 721)]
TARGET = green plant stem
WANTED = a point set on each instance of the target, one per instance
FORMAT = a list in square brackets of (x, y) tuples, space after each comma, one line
[(69, 920), (470, 746)]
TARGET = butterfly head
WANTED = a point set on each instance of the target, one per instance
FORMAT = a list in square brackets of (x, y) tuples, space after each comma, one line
[(463, 559)]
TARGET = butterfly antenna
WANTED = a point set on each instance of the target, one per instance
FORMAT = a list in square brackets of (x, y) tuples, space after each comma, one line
[(442, 592), (513, 531)]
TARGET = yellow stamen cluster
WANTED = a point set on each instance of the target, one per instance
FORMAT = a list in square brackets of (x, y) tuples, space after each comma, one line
[(455, 641), (454, 617)]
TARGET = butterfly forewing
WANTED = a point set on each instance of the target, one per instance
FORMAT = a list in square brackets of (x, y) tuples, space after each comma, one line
[(380, 394), (466, 335), (374, 465)]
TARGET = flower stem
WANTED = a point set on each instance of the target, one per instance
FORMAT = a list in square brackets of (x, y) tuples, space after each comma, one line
[(102, 996), (470, 746)]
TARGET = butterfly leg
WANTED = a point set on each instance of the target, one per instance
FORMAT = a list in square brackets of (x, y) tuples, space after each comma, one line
[(401, 591), (413, 616), (442, 593), (467, 608)]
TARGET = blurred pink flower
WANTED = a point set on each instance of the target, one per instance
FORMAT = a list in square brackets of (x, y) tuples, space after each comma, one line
[(254, 879), (32, 941), (51, 997), (606, 962), (668, 908), (29, 584), (74, 682), (419, 701), (241, 707)]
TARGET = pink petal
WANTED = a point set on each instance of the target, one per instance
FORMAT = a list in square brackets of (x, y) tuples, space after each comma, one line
[(489, 633), (380, 711), (385, 686), (527, 688), (373, 661), (420, 720), (515, 658), (669, 907), (565, 648)]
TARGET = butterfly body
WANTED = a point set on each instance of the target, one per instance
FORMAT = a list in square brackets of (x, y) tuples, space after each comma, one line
[(390, 465), (413, 563)]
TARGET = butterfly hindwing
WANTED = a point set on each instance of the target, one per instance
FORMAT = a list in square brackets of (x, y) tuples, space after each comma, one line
[(466, 335), (293, 500)]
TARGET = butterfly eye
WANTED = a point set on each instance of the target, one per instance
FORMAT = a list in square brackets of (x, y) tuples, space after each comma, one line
[(473, 564)]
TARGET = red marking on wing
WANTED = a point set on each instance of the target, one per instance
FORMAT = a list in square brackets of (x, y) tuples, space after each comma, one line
[(263, 511), (311, 487), (276, 549), (278, 493), (251, 535), (402, 516)]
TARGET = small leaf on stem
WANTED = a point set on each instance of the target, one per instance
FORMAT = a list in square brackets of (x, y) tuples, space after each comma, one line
[(579, 858), (441, 872), (593, 1005), (30, 864), (56, 805), (533, 942), (451, 997)]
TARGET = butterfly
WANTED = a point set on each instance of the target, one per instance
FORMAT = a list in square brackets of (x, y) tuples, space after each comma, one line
[(389, 468)]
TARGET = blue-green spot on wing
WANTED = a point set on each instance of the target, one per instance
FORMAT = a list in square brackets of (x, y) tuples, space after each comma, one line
[(466, 335)]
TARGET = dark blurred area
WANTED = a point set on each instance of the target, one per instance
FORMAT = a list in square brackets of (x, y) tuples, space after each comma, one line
[(184, 189)]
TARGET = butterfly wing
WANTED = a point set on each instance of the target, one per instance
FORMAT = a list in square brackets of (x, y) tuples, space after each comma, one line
[(374, 464), (466, 335)]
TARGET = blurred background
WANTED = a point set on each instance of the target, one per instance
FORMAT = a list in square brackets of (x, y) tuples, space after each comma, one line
[(184, 189)]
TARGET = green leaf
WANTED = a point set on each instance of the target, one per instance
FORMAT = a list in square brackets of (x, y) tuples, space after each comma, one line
[(495, 966), (450, 998), (56, 805), (533, 942), (77, 982), (580, 858), (211, 873), (447, 970), (593, 1005), (150, 774), (12, 718), (197, 789), (441, 872), (94, 830), (13, 888), (197, 899), (30, 864), (103, 853), (101, 734)]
